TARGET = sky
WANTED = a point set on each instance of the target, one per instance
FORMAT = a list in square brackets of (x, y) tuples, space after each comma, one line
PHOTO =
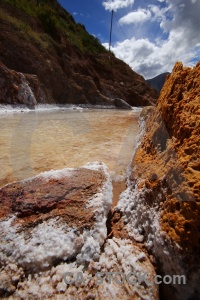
[(149, 35)]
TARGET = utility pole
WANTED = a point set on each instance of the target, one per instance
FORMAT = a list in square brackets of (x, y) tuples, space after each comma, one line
[(111, 29)]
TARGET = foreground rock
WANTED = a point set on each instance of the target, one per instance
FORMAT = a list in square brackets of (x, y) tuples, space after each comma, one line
[(55, 223), (59, 206), (161, 206)]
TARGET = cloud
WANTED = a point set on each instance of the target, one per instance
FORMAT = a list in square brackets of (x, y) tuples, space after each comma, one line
[(117, 4), (178, 24), (139, 16), (158, 14)]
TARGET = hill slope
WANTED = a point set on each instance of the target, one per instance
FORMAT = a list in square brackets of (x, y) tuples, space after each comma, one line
[(158, 81), (60, 61)]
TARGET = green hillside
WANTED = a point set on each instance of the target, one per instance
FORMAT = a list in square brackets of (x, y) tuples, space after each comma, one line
[(55, 21)]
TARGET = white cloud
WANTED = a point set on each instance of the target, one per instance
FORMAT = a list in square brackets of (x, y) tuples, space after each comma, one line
[(180, 22), (158, 14), (117, 4), (139, 16)]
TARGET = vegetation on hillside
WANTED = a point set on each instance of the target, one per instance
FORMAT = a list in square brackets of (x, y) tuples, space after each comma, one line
[(55, 22)]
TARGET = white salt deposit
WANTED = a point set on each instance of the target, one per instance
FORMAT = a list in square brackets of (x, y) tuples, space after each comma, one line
[(52, 174), (138, 139), (40, 246), (18, 108), (118, 256), (142, 220), (5, 109)]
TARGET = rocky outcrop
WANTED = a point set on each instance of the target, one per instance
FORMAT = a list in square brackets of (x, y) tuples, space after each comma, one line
[(20, 89), (119, 103), (61, 72), (53, 240), (161, 205), (14, 88), (25, 90)]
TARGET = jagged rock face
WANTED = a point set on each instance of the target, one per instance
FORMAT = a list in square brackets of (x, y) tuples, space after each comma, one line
[(66, 74), (161, 207), (179, 105)]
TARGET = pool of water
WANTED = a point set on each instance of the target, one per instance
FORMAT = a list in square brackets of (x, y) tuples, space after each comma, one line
[(37, 141)]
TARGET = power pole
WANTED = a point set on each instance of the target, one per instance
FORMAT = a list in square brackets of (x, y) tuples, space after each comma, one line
[(111, 28)]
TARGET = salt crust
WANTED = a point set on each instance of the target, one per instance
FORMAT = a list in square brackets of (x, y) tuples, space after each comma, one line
[(142, 223), (6, 108), (138, 139), (118, 256), (39, 247)]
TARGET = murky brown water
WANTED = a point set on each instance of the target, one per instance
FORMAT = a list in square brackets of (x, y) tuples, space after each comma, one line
[(40, 141)]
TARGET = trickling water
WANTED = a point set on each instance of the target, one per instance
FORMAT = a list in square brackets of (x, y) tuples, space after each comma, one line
[(38, 141)]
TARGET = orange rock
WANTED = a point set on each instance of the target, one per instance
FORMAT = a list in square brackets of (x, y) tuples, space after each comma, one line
[(171, 150)]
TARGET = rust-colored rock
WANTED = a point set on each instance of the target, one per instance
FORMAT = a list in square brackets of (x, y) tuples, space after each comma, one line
[(161, 206), (40, 199), (180, 101)]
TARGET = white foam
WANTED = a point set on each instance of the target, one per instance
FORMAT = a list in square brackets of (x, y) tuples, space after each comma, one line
[(4, 109), (137, 109)]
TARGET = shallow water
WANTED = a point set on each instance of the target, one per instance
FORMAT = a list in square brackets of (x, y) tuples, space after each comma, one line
[(37, 141)]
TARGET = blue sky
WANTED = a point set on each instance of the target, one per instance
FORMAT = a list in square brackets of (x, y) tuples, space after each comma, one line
[(149, 35)]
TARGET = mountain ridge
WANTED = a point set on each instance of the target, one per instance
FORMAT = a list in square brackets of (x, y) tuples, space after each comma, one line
[(158, 81)]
